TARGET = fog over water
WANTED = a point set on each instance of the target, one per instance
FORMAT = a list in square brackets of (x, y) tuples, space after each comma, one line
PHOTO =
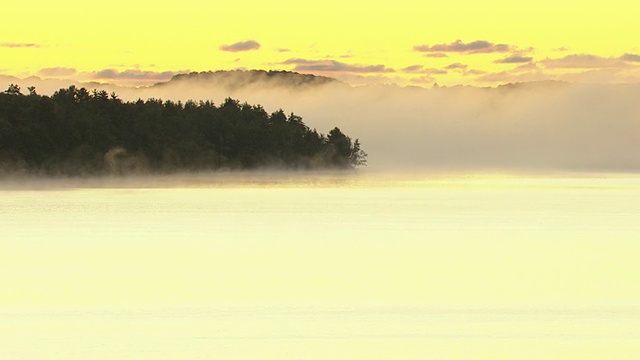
[(378, 263), (528, 127), (321, 268)]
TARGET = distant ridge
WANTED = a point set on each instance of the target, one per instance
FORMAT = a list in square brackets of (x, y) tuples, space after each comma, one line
[(237, 79)]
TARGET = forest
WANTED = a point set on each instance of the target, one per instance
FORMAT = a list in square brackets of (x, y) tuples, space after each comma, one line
[(78, 132)]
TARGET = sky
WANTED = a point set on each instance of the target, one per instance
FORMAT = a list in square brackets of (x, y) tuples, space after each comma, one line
[(467, 42)]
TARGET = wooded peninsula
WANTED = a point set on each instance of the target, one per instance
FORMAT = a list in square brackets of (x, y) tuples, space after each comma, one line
[(77, 132)]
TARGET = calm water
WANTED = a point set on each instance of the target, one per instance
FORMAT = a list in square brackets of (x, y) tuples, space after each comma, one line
[(331, 267)]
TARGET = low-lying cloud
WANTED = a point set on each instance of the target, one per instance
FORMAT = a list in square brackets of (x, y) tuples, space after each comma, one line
[(543, 126)]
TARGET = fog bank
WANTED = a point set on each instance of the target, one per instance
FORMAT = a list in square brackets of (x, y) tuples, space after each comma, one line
[(529, 127)]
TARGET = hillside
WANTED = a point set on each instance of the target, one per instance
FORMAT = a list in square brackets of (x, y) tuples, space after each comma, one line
[(237, 79)]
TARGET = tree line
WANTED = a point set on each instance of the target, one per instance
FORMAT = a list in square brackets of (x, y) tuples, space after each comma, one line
[(80, 132)]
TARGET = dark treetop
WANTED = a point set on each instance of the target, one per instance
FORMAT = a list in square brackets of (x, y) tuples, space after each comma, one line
[(81, 132)]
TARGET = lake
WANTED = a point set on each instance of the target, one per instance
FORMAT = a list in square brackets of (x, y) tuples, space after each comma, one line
[(361, 265)]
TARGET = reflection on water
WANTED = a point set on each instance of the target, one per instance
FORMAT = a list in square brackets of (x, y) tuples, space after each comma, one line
[(321, 266)]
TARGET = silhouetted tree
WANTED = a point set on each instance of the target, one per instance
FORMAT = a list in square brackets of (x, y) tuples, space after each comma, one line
[(13, 89), (78, 132), (343, 152)]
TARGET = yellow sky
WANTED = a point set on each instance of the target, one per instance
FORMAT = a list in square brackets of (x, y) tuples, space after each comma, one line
[(406, 42)]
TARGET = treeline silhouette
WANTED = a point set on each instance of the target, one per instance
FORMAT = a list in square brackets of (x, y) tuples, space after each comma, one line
[(82, 132)]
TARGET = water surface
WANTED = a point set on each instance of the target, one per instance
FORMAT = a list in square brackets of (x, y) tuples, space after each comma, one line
[(321, 267)]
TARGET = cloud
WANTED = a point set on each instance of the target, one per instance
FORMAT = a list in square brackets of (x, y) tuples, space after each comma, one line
[(514, 59), (283, 50), (437, 55), (419, 69), (298, 61), (241, 46), (413, 69), (334, 66), (526, 67), (432, 71), (583, 61), (133, 74), (474, 47), (630, 57), (19, 45), (594, 71), (456, 66), (474, 72), (57, 72)]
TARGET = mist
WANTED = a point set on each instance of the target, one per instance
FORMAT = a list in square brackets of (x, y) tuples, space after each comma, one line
[(545, 126)]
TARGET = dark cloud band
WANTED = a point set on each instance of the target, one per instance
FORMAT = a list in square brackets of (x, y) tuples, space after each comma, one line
[(335, 66), (419, 69), (112, 74), (515, 59), (474, 47), (241, 46), (456, 66), (19, 45)]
